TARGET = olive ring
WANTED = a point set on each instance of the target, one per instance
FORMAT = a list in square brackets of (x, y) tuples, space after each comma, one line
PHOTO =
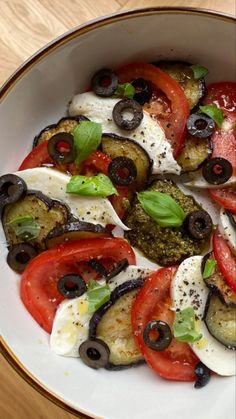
[(217, 171), (54, 151), (104, 83), (71, 286), (128, 105), (200, 126), (165, 336), (119, 163)]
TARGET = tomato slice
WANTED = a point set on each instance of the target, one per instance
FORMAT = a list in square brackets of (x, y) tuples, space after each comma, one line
[(37, 157), (223, 94), (175, 124), (225, 260), (38, 287), (153, 302), (225, 197)]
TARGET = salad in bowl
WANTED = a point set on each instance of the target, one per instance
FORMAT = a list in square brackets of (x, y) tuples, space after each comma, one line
[(121, 223)]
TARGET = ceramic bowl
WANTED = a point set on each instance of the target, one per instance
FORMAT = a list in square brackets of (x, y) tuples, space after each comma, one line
[(37, 95)]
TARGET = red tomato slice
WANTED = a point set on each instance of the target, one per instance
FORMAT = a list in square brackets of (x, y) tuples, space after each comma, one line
[(226, 261), (223, 95), (37, 157), (153, 302), (224, 139), (225, 197), (176, 121), (38, 287)]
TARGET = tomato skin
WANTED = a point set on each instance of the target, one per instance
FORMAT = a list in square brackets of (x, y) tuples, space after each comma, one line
[(38, 156), (226, 261), (38, 287), (223, 94), (162, 81), (224, 197), (153, 302)]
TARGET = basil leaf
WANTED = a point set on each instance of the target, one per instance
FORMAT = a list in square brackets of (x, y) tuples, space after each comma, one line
[(126, 90), (162, 208), (99, 185), (184, 326), (87, 138), (214, 113), (199, 71), (25, 227), (209, 268), (97, 295)]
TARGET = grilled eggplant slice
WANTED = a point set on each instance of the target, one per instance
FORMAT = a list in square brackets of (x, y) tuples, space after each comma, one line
[(115, 146), (182, 73), (112, 324), (66, 124), (217, 284), (74, 230), (221, 321), (45, 212), (194, 153)]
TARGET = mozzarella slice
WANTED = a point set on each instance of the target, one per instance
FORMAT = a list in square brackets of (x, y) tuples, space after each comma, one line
[(71, 323), (227, 230), (189, 290), (53, 183), (198, 181), (148, 134)]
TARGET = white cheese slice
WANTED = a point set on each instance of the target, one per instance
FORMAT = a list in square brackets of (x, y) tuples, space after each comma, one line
[(148, 134), (53, 183)]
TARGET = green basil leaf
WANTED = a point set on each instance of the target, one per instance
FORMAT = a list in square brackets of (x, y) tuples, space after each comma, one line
[(25, 227), (209, 268), (184, 326), (97, 295), (87, 138), (199, 71), (162, 208), (126, 90), (99, 185), (214, 113)]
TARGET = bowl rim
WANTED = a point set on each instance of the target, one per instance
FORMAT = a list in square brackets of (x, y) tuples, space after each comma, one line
[(8, 86)]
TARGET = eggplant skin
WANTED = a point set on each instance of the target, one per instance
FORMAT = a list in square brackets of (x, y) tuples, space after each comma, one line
[(112, 324), (221, 321), (47, 213), (194, 153), (66, 124), (182, 73), (74, 230), (218, 286), (116, 146)]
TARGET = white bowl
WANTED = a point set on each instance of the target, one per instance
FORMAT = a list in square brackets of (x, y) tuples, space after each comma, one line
[(37, 95)]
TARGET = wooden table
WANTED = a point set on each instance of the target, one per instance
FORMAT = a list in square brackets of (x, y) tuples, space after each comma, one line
[(26, 26)]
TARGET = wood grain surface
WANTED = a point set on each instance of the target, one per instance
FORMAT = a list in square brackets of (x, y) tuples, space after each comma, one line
[(26, 26)]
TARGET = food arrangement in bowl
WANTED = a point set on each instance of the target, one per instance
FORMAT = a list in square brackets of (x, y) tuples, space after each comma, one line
[(121, 223)]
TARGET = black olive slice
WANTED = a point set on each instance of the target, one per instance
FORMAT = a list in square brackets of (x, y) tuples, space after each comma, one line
[(203, 375), (12, 188), (104, 83), (127, 105), (94, 353), (98, 267), (121, 266), (55, 145), (122, 164), (143, 91), (198, 224), (164, 335), (71, 285), (217, 170), (200, 126), (19, 256)]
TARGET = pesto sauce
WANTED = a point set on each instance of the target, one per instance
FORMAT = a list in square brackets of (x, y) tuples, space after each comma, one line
[(164, 245)]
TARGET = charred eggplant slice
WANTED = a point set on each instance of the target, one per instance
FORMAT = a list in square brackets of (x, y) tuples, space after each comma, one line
[(182, 73), (66, 124), (194, 153), (44, 212), (74, 230), (112, 324), (221, 321), (115, 146), (216, 283)]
